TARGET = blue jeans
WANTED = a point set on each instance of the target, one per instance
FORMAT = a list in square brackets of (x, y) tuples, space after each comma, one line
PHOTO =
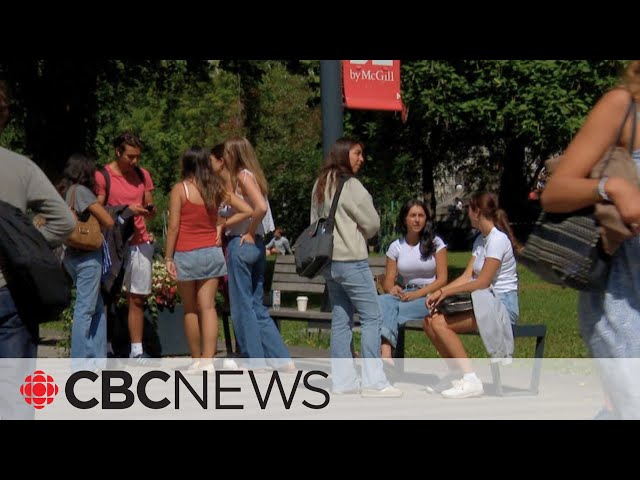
[(351, 288), (89, 330), (15, 339), (18, 350), (255, 329), (510, 302), (395, 312)]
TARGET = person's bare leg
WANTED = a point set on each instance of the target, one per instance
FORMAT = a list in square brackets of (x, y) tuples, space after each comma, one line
[(187, 291), (446, 330), (386, 352), (135, 318), (208, 316)]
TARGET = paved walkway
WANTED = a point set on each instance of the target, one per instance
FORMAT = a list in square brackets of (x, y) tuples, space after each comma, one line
[(48, 346), (49, 339)]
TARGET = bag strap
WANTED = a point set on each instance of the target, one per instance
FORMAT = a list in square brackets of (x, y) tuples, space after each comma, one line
[(72, 200), (107, 181), (334, 205), (634, 123), (631, 110)]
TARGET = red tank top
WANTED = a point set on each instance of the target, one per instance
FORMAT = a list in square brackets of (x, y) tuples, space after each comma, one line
[(197, 226)]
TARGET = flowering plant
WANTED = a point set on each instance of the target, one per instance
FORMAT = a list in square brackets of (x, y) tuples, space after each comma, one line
[(164, 291)]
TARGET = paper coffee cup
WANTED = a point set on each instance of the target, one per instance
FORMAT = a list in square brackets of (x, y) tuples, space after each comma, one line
[(302, 303)]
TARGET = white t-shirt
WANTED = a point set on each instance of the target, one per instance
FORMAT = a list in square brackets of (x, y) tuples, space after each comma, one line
[(410, 266), (496, 245)]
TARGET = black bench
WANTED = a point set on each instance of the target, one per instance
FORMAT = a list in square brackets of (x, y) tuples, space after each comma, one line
[(538, 332)]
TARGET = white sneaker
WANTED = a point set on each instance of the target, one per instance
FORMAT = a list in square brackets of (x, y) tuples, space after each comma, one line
[(464, 389), (444, 383), (207, 367), (230, 364), (194, 368), (387, 392)]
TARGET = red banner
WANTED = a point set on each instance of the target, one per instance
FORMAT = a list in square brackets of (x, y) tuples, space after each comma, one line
[(372, 84)]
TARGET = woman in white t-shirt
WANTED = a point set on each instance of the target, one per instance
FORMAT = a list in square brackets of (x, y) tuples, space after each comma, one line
[(420, 259), (492, 279)]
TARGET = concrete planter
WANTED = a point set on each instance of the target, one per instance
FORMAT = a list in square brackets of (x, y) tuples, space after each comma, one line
[(170, 330)]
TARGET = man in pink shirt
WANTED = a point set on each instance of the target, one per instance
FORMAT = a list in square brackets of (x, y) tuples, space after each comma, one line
[(132, 185)]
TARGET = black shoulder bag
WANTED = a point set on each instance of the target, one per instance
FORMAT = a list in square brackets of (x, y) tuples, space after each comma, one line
[(314, 247)]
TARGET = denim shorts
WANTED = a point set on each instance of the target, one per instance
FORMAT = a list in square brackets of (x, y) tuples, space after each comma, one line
[(200, 264), (510, 301)]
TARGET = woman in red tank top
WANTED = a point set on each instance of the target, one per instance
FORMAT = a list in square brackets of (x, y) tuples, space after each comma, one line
[(193, 255)]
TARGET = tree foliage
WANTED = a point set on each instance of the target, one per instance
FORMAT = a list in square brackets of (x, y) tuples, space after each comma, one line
[(172, 110), (288, 145), (493, 120)]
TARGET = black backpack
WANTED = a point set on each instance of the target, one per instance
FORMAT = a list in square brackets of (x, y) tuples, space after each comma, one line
[(34, 275)]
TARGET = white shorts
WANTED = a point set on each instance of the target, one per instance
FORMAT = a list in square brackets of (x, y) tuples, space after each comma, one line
[(138, 274)]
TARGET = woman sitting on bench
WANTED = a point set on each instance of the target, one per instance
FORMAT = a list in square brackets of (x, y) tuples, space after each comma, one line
[(492, 279), (420, 258)]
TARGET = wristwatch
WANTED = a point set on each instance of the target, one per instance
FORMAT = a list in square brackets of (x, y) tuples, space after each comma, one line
[(601, 191)]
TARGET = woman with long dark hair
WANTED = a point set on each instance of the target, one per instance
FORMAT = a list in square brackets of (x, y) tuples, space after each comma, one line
[(420, 259), (192, 254), (89, 329), (349, 281), (492, 279)]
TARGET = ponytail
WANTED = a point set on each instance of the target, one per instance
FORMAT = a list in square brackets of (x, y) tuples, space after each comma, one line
[(487, 203), (501, 221)]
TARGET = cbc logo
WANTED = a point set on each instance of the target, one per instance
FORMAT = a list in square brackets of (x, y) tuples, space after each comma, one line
[(39, 389)]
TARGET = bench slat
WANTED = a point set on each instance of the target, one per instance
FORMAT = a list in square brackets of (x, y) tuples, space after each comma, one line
[(295, 278), (298, 287), (285, 259), (284, 268), (294, 314)]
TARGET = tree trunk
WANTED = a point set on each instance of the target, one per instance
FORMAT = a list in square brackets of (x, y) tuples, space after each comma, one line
[(513, 185)]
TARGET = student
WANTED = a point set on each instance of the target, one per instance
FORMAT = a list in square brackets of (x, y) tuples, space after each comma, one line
[(420, 258), (257, 332), (349, 280), (132, 185), (24, 185), (492, 278), (609, 319), (279, 244), (89, 329), (192, 255)]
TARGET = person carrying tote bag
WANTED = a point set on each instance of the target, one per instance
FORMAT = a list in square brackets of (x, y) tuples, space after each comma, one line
[(89, 330), (349, 280), (314, 246), (609, 319), (88, 233)]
